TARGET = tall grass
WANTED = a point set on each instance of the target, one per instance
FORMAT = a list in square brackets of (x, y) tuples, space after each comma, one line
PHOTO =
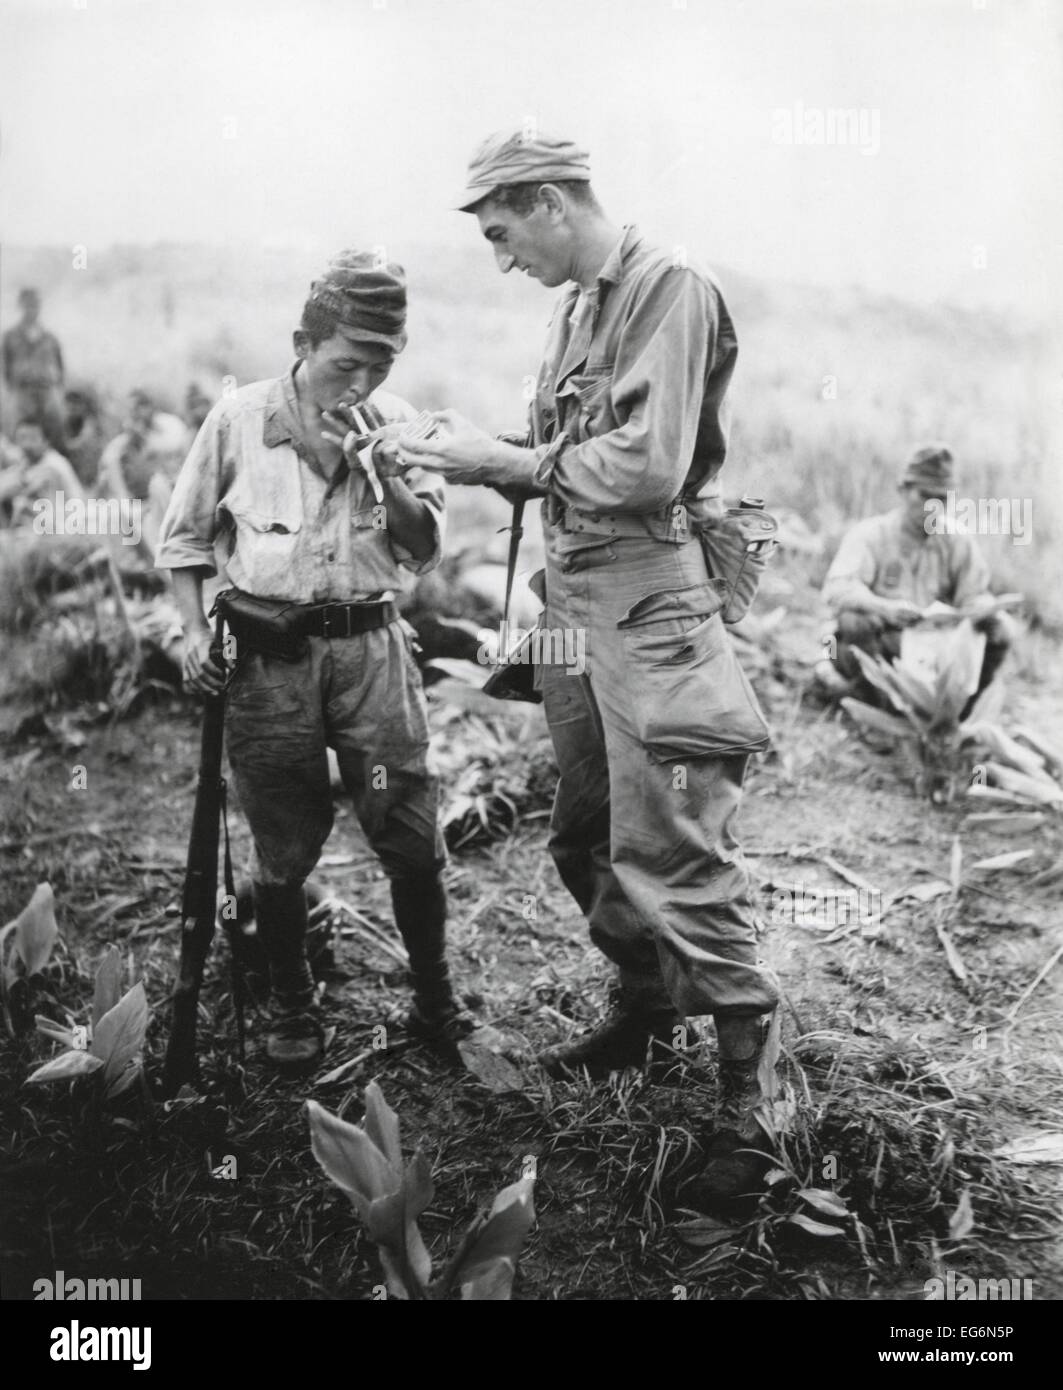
[(833, 388)]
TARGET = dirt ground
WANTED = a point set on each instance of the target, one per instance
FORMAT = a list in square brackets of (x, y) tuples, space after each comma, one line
[(899, 1081)]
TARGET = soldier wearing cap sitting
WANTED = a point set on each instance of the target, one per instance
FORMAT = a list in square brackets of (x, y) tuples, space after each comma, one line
[(889, 568), (273, 474), (628, 435)]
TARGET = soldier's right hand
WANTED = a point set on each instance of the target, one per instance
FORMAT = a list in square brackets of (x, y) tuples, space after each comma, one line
[(198, 670), (902, 612)]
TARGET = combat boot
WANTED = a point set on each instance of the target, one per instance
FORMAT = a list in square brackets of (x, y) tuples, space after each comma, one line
[(735, 1159), (296, 1037), (435, 1017), (622, 1039)]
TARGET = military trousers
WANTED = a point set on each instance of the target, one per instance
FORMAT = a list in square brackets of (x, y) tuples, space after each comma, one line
[(362, 696), (652, 729)]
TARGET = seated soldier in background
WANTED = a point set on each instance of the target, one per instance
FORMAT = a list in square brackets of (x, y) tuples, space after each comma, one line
[(31, 470), (83, 433), (143, 463), (890, 568)]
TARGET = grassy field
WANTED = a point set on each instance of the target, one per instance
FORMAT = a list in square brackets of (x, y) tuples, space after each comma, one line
[(834, 387)]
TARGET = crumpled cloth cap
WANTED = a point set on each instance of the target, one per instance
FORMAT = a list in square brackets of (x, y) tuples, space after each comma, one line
[(929, 468), (367, 293), (521, 158)]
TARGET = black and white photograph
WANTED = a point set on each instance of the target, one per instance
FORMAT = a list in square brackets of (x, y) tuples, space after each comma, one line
[(531, 698)]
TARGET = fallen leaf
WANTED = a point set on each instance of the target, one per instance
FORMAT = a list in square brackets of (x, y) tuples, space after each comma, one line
[(1043, 1147), (961, 1222), (829, 1203), (814, 1228), (1004, 861), (495, 1071)]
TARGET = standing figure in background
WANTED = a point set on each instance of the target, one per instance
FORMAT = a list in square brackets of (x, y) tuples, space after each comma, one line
[(33, 369)]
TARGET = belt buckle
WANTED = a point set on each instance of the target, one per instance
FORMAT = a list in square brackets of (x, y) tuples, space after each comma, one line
[(327, 621)]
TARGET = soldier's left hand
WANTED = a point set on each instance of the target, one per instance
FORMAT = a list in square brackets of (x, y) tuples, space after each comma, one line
[(458, 450)]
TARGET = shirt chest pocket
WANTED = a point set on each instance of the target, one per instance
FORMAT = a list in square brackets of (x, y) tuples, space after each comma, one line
[(268, 521), (590, 402)]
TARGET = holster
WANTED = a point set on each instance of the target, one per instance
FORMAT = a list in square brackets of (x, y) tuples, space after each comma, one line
[(265, 625)]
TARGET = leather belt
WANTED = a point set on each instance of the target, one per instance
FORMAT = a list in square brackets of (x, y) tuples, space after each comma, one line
[(333, 620)]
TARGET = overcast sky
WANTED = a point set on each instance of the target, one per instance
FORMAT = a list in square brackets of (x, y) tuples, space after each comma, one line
[(332, 122)]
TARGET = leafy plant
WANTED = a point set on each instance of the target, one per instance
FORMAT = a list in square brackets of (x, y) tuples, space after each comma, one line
[(32, 936), (111, 1048), (928, 728), (366, 1164)]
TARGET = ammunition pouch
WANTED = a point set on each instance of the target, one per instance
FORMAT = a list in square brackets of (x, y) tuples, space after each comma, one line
[(273, 626), (737, 547)]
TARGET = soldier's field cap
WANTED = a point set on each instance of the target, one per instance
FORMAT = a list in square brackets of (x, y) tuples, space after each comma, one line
[(521, 158), (366, 292), (930, 469)]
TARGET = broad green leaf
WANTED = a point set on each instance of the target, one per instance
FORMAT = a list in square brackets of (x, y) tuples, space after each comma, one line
[(350, 1158), (959, 672), (875, 719), (814, 1228), (55, 1031), (1042, 790), (35, 929), (705, 1232), (391, 1223), (66, 1067), (829, 1203), (503, 1233), (118, 1039), (108, 987), (493, 1282), (382, 1125)]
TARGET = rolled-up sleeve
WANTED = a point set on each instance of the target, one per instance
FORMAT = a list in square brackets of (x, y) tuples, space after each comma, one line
[(430, 489), (186, 537), (656, 392)]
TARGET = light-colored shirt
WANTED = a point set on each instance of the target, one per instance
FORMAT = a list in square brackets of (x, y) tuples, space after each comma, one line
[(22, 483), (285, 530), (630, 408), (881, 556), (129, 464), (32, 358)]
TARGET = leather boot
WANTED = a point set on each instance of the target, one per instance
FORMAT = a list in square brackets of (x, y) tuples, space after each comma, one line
[(435, 1017), (732, 1171), (630, 1030), (296, 1036)]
